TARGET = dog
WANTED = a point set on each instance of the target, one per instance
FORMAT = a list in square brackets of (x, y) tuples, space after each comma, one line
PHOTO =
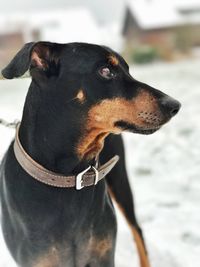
[(56, 205)]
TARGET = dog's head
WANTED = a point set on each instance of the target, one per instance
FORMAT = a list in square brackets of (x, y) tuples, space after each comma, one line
[(95, 83)]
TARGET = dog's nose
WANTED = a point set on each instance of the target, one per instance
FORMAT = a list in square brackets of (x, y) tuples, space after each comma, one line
[(169, 106)]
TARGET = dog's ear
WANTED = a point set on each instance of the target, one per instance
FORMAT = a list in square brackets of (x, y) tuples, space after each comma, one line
[(20, 63), (42, 57)]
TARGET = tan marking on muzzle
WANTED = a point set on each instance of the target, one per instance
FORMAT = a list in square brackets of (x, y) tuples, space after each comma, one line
[(51, 259), (102, 117), (113, 60), (100, 247)]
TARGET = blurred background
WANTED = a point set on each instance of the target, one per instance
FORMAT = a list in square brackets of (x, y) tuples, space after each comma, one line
[(161, 42), (143, 30)]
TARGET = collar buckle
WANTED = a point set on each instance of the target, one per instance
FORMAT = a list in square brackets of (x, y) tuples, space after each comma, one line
[(79, 177)]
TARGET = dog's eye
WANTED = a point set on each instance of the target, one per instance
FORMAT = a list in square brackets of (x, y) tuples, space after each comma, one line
[(106, 73)]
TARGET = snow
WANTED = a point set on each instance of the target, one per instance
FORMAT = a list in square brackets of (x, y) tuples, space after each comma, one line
[(63, 26), (68, 25), (152, 14), (164, 169)]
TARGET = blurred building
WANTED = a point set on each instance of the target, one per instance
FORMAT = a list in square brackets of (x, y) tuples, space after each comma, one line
[(66, 25), (169, 26)]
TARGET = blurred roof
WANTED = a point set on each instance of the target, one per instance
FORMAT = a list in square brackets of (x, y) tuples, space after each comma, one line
[(151, 14), (70, 17), (61, 25), (66, 25)]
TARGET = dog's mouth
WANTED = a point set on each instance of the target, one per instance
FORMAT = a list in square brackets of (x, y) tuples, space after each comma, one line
[(125, 126)]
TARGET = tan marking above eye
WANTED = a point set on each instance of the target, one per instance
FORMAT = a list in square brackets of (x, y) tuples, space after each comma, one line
[(113, 60), (80, 96)]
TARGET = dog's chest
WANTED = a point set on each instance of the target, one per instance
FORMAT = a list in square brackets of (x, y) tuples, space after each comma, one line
[(91, 249)]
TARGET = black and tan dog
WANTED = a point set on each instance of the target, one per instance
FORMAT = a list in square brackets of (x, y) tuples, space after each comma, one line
[(80, 95)]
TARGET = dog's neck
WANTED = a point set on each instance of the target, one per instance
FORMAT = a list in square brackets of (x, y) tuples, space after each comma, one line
[(44, 142)]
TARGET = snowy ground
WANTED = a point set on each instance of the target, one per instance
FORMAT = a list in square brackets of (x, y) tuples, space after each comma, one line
[(164, 168)]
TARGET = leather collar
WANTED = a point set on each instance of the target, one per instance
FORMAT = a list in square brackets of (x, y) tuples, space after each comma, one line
[(88, 177)]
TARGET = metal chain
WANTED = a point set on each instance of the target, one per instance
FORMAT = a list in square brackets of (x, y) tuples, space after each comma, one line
[(9, 124)]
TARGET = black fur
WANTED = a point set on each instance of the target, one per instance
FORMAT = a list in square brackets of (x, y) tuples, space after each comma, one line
[(53, 224), (20, 63)]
